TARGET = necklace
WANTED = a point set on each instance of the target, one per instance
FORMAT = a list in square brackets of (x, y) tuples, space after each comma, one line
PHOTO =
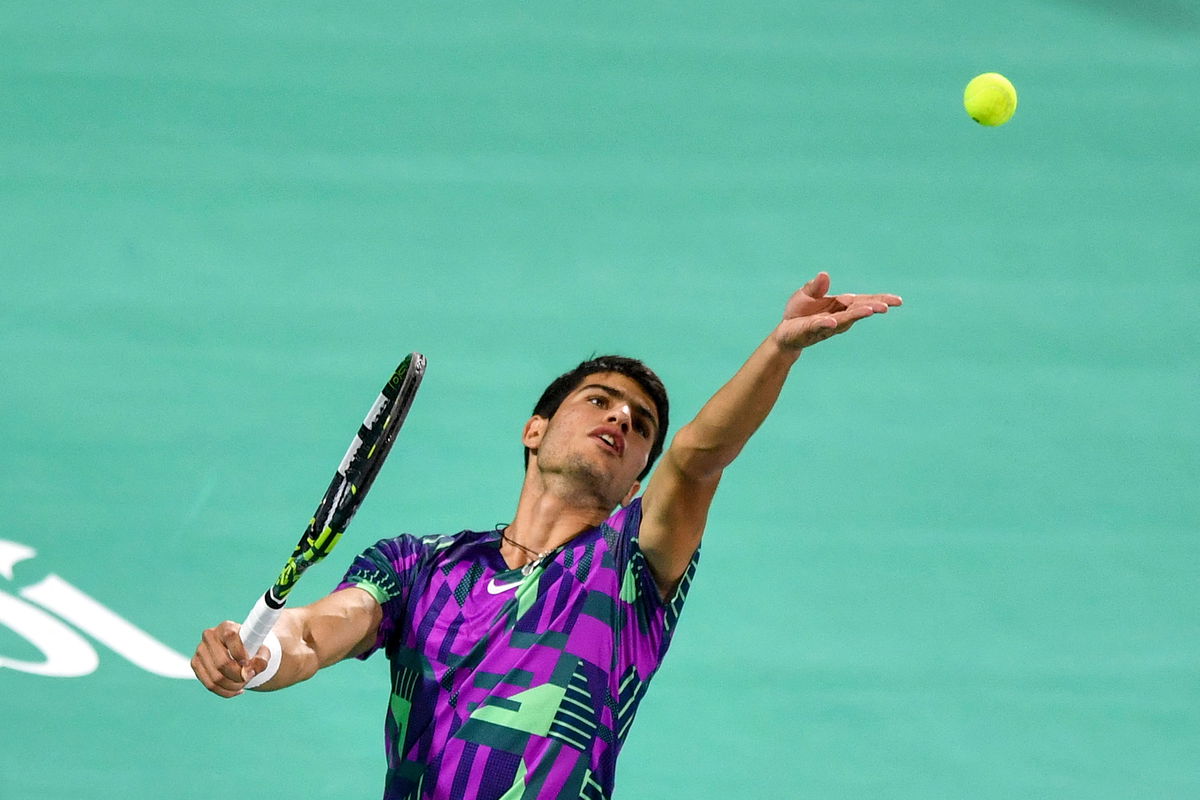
[(529, 566)]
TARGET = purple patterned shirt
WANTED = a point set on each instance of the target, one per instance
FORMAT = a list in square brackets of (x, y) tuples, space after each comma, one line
[(510, 686)]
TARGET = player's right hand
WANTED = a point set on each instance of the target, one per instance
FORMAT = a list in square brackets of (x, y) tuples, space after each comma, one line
[(220, 661)]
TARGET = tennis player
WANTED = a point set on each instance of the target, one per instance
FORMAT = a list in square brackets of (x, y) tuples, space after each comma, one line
[(519, 654)]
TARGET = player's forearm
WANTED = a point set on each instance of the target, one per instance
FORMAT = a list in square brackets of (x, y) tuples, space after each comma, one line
[(311, 637), (298, 660), (709, 443)]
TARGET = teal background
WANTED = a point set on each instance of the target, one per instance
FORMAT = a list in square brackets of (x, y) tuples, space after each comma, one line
[(960, 559)]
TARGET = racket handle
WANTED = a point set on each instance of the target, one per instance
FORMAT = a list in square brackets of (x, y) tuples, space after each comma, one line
[(258, 624)]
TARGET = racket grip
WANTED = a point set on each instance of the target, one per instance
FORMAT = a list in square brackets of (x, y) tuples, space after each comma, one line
[(258, 624)]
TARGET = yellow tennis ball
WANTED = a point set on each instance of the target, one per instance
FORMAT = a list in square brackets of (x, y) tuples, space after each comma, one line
[(990, 99)]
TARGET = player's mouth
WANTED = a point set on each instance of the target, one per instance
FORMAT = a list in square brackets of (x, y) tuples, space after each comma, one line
[(610, 439)]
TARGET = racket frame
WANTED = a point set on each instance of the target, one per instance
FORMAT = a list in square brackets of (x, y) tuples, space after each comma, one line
[(357, 471)]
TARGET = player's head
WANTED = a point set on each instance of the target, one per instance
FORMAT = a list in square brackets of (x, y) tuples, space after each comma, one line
[(562, 386)]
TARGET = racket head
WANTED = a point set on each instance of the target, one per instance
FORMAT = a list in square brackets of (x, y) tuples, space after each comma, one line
[(405, 382), (357, 472)]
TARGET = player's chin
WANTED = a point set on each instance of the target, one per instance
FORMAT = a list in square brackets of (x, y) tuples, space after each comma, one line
[(600, 481)]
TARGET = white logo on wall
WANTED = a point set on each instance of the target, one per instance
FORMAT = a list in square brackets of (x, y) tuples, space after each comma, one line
[(65, 653)]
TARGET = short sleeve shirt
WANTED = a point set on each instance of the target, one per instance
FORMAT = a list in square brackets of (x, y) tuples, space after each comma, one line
[(507, 685)]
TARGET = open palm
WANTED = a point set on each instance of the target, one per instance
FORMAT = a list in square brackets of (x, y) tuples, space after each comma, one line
[(812, 315)]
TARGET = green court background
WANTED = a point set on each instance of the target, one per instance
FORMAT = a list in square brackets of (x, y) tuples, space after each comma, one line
[(960, 560)]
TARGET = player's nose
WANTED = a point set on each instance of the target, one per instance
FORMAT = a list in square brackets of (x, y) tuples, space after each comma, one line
[(621, 416)]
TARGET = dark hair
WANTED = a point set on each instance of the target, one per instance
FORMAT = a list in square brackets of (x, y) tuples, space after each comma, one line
[(631, 368)]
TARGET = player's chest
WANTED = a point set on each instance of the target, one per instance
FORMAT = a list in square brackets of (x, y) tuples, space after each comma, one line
[(483, 599)]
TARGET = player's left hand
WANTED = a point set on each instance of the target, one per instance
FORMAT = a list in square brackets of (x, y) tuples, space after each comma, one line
[(812, 315)]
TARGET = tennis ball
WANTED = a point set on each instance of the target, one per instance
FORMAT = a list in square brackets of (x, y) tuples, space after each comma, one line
[(990, 99)]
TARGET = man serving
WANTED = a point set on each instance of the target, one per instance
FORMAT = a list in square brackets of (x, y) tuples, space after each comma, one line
[(519, 654)]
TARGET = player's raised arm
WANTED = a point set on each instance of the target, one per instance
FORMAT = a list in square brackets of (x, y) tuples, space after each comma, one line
[(335, 627), (677, 498)]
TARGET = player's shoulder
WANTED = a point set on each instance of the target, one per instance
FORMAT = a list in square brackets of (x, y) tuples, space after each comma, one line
[(625, 521), (425, 546)]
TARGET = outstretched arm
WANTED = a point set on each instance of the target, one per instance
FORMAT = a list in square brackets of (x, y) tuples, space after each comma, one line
[(676, 502), (335, 627)]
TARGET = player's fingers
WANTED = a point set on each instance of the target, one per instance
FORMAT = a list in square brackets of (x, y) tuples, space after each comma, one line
[(212, 678), (844, 319), (221, 672), (261, 659), (231, 636), (881, 300), (816, 328), (217, 651), (256, 664), (859, 301), (840, 322), (224, 688), (818, 286)]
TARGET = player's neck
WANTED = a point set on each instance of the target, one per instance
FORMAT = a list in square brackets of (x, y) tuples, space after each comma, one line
[(550, 515)]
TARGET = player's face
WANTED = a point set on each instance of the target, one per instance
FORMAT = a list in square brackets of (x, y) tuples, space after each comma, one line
[(601, 435)]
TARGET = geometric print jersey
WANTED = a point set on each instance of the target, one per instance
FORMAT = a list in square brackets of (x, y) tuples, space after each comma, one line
[(508, 686)]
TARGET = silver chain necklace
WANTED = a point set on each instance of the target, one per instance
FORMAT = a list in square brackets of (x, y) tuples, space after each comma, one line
[(529, 566)]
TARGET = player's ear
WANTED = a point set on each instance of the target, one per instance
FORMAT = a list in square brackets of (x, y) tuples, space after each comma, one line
[(531, 435), (633, 490)]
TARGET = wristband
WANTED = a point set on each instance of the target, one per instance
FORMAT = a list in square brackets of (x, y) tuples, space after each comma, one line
[(276, 658)]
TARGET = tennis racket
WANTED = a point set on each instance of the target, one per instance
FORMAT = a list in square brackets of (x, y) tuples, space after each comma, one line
[(346, 492)]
